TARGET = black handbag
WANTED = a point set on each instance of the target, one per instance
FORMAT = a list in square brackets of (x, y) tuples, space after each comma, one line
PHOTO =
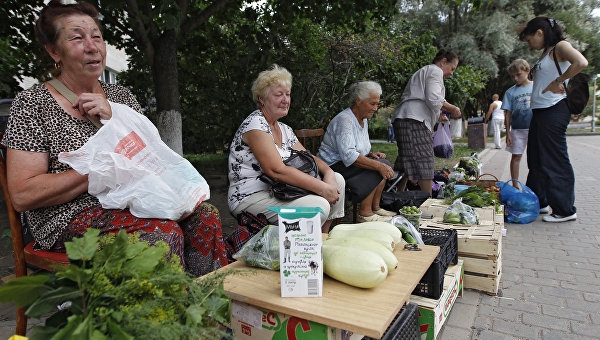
[(301, 160), (578, 91)]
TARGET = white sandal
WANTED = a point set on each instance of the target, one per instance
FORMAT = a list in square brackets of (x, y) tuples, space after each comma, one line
[(383, 212), (372, 218)]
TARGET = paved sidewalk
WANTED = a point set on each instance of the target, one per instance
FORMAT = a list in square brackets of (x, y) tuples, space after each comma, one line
[(550, 285)]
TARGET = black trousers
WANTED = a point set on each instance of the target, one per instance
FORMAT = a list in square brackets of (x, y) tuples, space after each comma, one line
[(551, 174)]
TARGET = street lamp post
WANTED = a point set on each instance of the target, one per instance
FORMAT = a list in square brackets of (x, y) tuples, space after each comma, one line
[(594, 102)]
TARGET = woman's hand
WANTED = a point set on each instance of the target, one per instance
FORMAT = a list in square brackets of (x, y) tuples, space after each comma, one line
[(330, 192), (386, 171), (454, 111), (94, 105), (377, 155), (555, 87)]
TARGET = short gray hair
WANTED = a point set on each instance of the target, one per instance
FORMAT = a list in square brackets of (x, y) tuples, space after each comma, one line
[(363, 90)]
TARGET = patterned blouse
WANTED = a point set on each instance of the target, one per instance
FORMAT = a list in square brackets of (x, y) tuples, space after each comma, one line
[(244, 168), (37, 123)]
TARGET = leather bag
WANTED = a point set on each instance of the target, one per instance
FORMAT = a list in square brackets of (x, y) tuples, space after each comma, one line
[(578, 91), (301, 160)]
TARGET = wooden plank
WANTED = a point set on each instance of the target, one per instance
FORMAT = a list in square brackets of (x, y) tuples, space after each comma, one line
[(480, 239), (363, 311), (488, 284), (490, 267)]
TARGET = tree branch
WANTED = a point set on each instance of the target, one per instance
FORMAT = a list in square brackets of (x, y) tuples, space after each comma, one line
[(190, 24), (140, 31)]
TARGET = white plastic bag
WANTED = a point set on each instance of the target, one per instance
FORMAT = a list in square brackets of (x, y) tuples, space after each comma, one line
[(129, 166), (443, 147)]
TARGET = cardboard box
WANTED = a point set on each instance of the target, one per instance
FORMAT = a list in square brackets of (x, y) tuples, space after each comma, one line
[(433, 313), (300, 241), (249, 322)]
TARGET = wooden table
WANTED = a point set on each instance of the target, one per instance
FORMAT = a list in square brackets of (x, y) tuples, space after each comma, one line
[(368, 312)]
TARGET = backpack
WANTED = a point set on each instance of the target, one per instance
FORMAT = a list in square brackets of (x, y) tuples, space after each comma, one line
[(578, 91)]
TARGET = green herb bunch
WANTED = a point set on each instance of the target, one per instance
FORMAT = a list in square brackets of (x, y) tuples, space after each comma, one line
[(118, 287)]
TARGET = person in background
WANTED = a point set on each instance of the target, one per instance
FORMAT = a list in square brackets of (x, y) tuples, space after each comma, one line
[(416, 115), (517, 113), (551, 174), (390, 129), (43, 123), (262, 143), (497, 116), (346, 148)]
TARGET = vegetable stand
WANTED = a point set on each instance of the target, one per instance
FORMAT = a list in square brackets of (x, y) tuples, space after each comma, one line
[(368, 312)]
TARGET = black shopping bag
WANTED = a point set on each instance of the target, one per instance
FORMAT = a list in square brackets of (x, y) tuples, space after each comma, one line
[(394, 201)]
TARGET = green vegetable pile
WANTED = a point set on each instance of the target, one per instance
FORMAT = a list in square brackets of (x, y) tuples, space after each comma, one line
[(407, 235), (460, 213), (475, 196), (118, 287), (262, 250), (410, 210)]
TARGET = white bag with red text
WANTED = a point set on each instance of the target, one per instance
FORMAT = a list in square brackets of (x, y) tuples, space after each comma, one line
[(129, 166)]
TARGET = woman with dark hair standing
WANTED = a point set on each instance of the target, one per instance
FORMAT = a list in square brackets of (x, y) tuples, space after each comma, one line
[(551, 175)]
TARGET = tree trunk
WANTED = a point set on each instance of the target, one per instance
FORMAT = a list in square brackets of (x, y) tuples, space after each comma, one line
[(166, 81), (169, 127)]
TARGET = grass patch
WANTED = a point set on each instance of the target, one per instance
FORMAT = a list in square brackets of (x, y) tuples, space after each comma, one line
[(460, 150), (217, 163)]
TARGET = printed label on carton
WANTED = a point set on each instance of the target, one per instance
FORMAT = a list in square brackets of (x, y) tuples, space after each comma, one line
[(301, 263)]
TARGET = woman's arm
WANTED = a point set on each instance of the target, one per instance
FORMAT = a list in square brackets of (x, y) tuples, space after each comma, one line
[(271, 164), (30, 185), (491, 109), (368, 163), (566, 52), (454, 110)]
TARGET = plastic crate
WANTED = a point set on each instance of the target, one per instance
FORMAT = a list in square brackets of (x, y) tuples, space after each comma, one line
[(432, 283), (405, 326)]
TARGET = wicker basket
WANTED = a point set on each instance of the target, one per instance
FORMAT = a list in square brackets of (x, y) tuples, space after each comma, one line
[(485, 183)]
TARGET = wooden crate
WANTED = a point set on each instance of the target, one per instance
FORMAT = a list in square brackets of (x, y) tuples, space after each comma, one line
[(436, 207), (479, 246)]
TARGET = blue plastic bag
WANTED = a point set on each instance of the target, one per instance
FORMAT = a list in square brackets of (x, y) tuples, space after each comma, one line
[(520, 205)]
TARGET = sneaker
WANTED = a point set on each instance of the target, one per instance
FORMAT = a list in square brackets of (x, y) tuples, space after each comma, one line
[(557, 218), (383, 212), (545, 210), (372, 218)]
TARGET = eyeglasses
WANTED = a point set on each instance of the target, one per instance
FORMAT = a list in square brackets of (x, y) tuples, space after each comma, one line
[(552, 22)]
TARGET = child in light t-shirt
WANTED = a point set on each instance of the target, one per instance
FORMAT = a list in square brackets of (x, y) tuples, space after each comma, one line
[(517, 114)]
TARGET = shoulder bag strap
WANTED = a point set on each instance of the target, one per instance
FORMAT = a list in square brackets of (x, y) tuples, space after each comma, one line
[(71, 97), (556, 63)]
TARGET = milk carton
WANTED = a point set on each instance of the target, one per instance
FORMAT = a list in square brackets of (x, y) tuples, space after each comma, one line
[(300, 241)]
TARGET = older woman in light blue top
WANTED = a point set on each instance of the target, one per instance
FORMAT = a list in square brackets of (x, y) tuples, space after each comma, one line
[(347, 150)]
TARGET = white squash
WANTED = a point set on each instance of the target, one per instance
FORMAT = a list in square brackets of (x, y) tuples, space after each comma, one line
[(378, 225), (390, 259), (354, 266), (373, 234)]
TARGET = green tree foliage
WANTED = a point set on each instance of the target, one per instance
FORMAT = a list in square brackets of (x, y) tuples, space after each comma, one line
[(484, 33), (197, 59)]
